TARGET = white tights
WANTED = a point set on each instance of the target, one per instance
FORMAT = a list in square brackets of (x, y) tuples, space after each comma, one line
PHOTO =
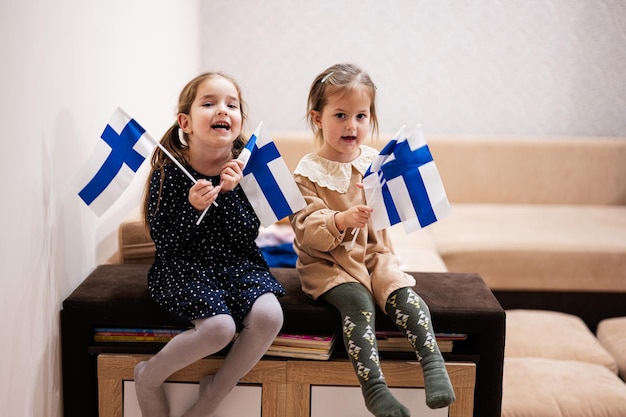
[(210, 335)]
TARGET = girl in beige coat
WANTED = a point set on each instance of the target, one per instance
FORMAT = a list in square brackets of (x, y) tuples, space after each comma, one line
[(356, 274)]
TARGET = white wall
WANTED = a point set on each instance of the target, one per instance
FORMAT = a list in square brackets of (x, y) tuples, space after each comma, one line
[(534, 67), (531, 67), (66, 65)]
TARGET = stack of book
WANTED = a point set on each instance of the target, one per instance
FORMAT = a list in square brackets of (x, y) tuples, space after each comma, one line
[(115, 334), (395, 341), (293, 345), (304, 346)]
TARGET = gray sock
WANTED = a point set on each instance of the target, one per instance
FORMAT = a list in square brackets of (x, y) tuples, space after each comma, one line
[(411, 315), (357, 309)]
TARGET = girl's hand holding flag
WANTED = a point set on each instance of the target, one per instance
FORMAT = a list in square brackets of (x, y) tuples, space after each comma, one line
[(355, 217), (202, 194), (232, 173)]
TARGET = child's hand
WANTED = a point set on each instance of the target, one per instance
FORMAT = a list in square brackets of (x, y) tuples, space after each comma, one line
[(203, 194), (355, 217), (231, 175)]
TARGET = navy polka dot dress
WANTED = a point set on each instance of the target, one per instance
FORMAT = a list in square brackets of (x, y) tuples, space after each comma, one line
[(207, 269)]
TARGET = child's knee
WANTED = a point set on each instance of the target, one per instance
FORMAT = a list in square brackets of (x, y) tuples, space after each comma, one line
[(221, 328), (266, 312), (350, 296)]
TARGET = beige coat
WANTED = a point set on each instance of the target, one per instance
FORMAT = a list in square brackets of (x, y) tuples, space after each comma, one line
[(325, 259)]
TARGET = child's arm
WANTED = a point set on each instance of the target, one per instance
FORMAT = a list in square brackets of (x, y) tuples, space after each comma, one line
[(315, 225)]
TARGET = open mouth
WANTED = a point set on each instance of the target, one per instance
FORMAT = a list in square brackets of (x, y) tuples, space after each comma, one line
[(349, 138), (220, 126)]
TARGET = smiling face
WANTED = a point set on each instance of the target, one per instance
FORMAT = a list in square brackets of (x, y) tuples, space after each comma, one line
[(215, 118), (344, 123)]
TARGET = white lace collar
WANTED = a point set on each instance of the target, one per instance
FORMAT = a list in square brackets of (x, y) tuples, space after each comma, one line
[(332, 174)]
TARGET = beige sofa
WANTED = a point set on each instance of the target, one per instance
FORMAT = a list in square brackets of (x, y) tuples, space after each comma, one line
[(540, 214), (527, 213)]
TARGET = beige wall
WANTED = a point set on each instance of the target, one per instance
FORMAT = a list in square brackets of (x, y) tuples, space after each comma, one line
[(532, 67), (66, 65)]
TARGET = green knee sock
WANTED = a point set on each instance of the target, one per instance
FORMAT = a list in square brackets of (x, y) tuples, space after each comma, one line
[(357, 310), (411, 315)]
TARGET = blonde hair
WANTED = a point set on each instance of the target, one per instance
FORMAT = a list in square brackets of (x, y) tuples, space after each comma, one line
[(172, 141), (339, 79)]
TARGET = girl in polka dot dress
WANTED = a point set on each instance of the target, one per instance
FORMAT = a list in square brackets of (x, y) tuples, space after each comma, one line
[(211, 273)]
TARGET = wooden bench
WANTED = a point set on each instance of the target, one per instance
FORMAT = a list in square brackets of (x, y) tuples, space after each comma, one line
[(117, 296), (286, 384)]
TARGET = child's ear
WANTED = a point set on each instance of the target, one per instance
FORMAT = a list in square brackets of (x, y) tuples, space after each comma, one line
[(317, 118), (183, 122)]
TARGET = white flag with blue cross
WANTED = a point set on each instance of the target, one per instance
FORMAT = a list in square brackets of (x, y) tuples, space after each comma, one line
[(114, 161), (267, 182), (403, 184)]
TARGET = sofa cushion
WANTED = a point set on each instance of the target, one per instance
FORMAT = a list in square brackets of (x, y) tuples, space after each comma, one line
[(540, 387), (416, 251), (538, 247), (532, 170), (134, 244), (612, 334), (553, 335)]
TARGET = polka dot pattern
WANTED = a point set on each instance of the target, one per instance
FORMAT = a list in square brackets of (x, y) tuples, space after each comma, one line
[(207, 269)]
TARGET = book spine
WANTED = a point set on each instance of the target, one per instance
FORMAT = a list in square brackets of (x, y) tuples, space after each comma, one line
[(306, 337), (133, 330), (112, 334), (137, 338)]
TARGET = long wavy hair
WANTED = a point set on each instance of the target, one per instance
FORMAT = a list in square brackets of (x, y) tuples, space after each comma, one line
[(178, 148)]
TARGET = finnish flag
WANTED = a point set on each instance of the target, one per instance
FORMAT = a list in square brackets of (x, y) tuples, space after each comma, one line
[(267, 182), (114, 161), (403, 184)]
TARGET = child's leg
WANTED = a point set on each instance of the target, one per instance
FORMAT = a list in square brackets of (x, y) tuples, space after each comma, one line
[(357, 309), (410, 313), (260, 327), (208, 336)]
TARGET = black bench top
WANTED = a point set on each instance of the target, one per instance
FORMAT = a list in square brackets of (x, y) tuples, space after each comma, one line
[(117, 295)]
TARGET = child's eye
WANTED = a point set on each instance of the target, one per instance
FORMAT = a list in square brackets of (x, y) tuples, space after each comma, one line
[(361, 116), (233, 106), (340, 115), (209, 104)]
